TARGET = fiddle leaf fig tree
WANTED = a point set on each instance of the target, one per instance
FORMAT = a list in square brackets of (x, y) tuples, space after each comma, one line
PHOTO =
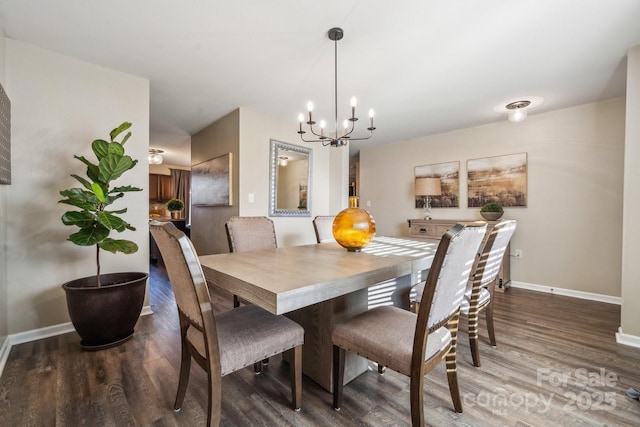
[(93, 219)]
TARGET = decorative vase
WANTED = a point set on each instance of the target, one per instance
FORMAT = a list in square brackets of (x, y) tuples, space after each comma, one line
[(491, 216), (353, 227), (104, 316)]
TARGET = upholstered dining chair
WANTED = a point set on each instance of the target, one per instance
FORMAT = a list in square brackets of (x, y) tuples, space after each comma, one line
[(250, 233), (479, 293), (225, 343), (323, 226), (409, 343)]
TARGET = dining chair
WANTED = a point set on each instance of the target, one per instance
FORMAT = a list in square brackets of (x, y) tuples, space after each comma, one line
[(250, 233), (227, 342), (409, 343), (323, 226), (480, 288)]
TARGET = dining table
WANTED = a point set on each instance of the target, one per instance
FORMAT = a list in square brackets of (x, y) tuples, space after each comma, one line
[(319, 285)]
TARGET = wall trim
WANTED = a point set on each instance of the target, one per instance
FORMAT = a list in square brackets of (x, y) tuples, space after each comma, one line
[(568, 292), (41, 333), (626, 339)]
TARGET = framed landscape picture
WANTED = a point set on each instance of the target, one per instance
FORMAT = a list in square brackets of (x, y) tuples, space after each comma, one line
[(500, 179), (211, 182), (449, 174)]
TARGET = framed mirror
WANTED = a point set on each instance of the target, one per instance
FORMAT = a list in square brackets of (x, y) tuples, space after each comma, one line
[(289, 179)]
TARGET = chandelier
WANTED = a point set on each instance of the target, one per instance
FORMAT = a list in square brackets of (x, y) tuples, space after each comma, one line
[(155, 156), (338, 139)]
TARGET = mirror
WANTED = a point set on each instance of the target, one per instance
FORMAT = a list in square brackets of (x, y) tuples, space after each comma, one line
[(289, 180)]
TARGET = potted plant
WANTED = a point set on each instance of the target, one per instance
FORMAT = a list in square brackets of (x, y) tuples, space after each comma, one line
[(103, 308), (175, 206), (491, 211)]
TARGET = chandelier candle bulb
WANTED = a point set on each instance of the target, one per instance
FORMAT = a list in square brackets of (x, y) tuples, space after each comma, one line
[(371, 114)]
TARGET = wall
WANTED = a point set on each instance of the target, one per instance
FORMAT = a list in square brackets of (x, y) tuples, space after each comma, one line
[(256, 131), (207, 222), (3, 224), (247, 135), (60, 105), (571, 230), (631, 235)]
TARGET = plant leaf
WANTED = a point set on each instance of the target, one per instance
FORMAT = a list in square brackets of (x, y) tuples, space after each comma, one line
[(100, 148), (81, 219), (126, 138), (117, 131), (97, 190), (125, 189), (124, 246), (112, 166), (82, 181), (83, 199), (111, 222), (89, 236)]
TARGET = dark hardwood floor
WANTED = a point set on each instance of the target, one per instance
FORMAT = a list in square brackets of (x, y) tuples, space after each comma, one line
[(557, 363)]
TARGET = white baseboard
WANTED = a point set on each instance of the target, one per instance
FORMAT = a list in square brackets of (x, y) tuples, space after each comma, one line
[(38, 334), (567, 292), (626, 339)]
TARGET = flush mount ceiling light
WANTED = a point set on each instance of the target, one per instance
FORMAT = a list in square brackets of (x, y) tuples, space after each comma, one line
[(154, 156), (518, 108), (339, 139), (283, 160)]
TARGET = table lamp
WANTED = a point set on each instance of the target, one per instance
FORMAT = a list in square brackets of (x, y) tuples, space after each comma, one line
[(426, 187)]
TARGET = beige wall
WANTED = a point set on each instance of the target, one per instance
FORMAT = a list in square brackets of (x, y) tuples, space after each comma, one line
[(3, 222), (631, 237), (207, 222), (569, 233), (60, 105), (247, 135)]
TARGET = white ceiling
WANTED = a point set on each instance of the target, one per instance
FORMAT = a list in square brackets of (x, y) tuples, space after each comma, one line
[(425, 66)]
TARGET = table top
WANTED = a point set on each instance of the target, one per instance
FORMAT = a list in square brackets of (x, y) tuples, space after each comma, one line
[(286, 279)]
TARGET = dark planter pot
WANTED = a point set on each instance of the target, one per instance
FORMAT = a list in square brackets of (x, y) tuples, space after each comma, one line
[(104, 317)]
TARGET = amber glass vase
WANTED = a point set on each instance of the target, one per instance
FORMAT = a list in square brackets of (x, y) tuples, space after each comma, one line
[(353, 227)]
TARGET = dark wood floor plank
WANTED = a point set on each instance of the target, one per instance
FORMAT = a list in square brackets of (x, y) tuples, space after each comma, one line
[(546, 345)]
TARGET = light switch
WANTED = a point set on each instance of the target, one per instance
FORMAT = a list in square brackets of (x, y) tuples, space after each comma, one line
[(252, 199), (368, 203)]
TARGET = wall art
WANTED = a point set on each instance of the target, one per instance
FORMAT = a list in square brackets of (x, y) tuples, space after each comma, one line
[(449, 174), (500, 179), (211, 182)]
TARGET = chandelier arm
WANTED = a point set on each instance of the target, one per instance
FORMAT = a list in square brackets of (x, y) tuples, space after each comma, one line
[(362, 138)]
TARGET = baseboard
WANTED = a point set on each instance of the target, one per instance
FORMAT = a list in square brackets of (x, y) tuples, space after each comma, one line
[(626, 339), (567, 292), (41, 333)]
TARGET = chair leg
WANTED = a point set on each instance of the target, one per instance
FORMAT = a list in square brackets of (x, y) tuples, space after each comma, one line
[(214, 415), (295, 356), (450, 359), (473, 336), (381, 369), (236, 301), (338, 376), (416, 399), (185, 367), (257, 368), (489, 314)]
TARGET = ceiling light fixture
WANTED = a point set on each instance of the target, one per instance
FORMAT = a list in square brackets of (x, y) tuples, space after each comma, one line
[(154, 156), (338, 140), (517, 110), (283, 161)]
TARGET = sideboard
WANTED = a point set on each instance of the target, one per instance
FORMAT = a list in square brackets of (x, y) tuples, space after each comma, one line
[(433, 229)]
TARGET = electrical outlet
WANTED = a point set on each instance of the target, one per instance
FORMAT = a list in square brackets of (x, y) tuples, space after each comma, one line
[(518, 253)]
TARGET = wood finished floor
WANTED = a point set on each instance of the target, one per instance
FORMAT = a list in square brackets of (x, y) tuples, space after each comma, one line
[(556, 363)]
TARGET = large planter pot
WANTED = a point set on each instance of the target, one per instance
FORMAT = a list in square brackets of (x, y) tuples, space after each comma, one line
[(104, 316)]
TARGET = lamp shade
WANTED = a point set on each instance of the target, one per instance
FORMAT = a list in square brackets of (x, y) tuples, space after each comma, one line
[(428, 187)]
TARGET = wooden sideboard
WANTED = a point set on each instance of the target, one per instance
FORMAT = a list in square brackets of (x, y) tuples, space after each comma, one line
[(433, 229)]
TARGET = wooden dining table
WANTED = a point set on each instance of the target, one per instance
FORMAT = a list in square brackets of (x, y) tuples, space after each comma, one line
[(319, 285)]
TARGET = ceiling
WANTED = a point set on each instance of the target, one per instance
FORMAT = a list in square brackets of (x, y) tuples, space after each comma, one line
[(425, 66)]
